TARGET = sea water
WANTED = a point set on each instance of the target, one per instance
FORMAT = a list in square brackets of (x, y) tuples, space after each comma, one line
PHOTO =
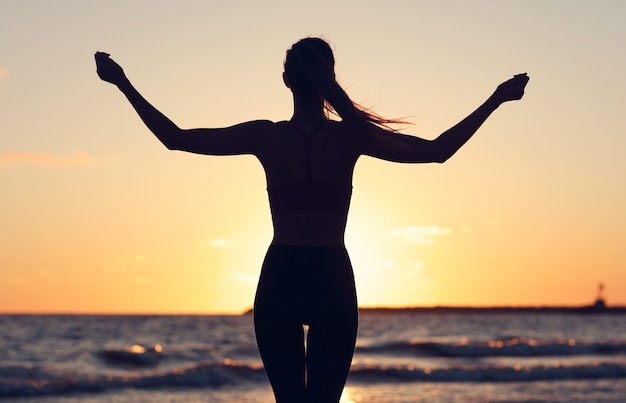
[(425, 356)]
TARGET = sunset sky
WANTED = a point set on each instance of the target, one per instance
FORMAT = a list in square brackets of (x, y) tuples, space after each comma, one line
[(96, 216)]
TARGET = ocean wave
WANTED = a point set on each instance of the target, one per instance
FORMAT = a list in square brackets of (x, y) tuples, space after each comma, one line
[(507, 347), (134, 356), (18, 381), (487, 373), (40, 381)]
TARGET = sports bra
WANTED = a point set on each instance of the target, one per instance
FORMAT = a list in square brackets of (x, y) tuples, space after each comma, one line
[(309, 193)]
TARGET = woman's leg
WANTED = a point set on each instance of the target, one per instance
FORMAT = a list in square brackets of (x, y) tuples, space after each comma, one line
[(281, 346), (279, 331), (329, 354), (332, 329)]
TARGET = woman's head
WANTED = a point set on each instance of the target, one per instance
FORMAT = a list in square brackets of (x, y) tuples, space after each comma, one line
[(310, 74), (307, 65)]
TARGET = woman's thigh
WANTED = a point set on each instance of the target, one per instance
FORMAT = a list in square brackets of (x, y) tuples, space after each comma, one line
[(332, 323), (281, 345), (330, 346)]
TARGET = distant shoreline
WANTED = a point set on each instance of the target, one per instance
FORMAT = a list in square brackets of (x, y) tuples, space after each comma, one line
[(367, 310), (496, 309), (587, 309)]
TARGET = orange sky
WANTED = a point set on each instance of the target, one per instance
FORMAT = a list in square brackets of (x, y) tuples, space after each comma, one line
[(97, 216)]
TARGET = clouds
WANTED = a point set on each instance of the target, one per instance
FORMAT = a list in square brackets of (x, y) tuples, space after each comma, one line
[(421, 234), (45, 159), (220, 243), (243, 277)]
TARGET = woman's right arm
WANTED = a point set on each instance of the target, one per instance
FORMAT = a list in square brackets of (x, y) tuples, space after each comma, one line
[(239, 139)]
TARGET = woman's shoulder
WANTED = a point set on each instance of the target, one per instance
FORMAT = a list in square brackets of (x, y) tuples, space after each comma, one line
[(343, 132), (339, 129), (329, 124), (273, 126), (263, 127)]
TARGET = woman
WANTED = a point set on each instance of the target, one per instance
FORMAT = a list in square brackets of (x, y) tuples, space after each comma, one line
[(309, 160)]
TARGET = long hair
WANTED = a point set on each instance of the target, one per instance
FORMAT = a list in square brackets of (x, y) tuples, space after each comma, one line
[(310, 73)]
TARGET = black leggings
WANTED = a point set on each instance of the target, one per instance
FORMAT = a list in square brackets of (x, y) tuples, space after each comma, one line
[(314, 286)]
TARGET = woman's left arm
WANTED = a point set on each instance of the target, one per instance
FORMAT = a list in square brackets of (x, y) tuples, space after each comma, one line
[(410, 149)]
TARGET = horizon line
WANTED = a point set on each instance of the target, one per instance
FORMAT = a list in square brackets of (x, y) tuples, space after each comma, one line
[(363, 307)]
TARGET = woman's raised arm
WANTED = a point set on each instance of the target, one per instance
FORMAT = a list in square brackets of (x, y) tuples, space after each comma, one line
[(403, 148), (239, 139)]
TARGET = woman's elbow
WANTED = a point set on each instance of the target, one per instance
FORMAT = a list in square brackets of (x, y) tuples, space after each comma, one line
[(172, 147), (169, 143), (171, 139), (439, 154), (441, 158)]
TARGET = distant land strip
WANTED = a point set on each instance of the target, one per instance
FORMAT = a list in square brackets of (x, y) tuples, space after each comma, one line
[(587, 309), (591, 309)]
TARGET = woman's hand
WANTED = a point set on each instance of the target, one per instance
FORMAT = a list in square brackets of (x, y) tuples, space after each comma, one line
[(513, 89), (108, 70)]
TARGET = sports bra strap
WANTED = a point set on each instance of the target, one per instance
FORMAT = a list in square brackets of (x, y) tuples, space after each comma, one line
[(307, 138)]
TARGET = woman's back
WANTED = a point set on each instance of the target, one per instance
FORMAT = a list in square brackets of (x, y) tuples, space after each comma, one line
[(309, 171)]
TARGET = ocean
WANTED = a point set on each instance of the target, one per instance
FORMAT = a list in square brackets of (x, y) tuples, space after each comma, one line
[(401, 356)]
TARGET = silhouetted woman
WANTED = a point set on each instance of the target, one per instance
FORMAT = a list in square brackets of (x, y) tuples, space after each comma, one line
[(308, 160)]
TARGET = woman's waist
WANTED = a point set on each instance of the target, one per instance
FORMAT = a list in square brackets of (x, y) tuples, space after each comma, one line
[(309, 228), (310, 196)]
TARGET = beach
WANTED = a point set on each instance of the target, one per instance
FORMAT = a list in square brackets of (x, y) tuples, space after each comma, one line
[(607, 391)]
